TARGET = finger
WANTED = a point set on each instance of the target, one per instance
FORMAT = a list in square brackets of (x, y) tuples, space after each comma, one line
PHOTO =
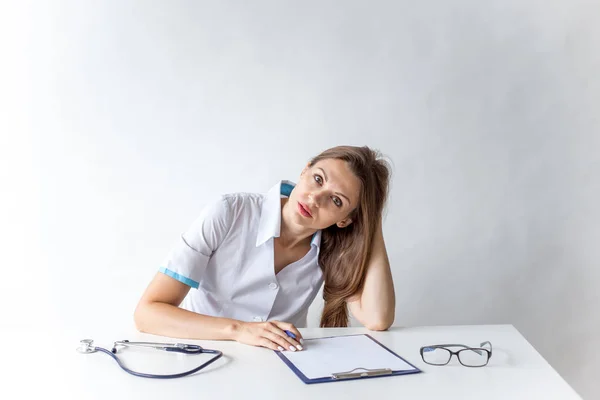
[(264, 342), (277, 330), (291, 328), (290, 339), (279, 340)]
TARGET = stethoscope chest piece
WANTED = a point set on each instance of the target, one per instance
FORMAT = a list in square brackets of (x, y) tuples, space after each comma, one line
[(86, 346)]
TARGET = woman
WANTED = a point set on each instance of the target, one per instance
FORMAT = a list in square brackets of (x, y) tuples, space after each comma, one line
[(257, 261)]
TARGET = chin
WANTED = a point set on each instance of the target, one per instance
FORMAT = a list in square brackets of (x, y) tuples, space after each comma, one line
[(299, 220)]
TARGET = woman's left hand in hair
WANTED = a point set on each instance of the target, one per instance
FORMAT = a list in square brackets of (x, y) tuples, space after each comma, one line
[(375, 306)]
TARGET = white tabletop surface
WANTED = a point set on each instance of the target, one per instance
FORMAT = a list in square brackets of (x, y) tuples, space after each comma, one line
[(53, 366)]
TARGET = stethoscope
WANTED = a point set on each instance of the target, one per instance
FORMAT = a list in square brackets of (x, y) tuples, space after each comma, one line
[(87, 346)]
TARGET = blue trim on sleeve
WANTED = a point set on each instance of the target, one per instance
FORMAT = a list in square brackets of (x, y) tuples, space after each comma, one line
[(180, 278), (286, 189)]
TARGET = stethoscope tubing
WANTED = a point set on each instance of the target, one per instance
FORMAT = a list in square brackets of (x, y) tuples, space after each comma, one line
[(217, 353)]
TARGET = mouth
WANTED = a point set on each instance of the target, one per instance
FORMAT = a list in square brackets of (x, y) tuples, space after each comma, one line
[(304, 210)]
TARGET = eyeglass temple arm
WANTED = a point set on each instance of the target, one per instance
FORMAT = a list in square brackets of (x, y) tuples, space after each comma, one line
[(487, 343), (462, 345), (450, 345)]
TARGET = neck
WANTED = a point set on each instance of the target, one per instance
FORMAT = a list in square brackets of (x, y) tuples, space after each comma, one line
[(292, 235)]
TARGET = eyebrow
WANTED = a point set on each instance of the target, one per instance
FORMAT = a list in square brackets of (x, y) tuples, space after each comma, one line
[(326, 179)]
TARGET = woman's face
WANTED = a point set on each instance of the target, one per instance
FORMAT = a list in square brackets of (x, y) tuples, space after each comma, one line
[(325, 195)]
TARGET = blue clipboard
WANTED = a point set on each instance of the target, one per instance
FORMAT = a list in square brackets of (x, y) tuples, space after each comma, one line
[(357, 373)]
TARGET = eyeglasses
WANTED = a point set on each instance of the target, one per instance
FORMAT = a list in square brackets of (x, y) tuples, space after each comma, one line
[(440, 354)]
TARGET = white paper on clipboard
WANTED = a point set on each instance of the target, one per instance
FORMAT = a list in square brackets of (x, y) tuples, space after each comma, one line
[(325, 356)]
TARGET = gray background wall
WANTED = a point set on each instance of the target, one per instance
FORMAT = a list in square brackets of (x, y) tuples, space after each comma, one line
[(119, 119)]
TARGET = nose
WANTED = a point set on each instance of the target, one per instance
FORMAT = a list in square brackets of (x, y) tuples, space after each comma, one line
[(315, 198)]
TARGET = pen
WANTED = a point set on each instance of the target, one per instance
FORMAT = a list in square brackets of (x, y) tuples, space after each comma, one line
[(290, 334), (293, 336)]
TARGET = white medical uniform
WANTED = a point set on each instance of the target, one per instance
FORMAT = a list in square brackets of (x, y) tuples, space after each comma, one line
[(228, 256)]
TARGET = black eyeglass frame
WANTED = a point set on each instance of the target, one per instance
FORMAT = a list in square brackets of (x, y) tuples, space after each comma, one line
[(478, 350)]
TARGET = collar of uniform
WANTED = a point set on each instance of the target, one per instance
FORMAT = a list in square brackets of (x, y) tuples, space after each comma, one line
[(270, 216)]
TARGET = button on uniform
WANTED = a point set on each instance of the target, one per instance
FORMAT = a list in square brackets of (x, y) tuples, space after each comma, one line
[(257, 319), (273, 285)]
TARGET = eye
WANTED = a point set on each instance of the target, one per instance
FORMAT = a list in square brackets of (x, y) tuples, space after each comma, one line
[(318, 179), (337, 201)]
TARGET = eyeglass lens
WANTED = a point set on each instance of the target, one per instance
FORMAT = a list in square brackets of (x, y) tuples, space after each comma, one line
[(436, 355), (473, 357)]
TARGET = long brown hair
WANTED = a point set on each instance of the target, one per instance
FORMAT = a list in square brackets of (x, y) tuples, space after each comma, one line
[(345, 252)]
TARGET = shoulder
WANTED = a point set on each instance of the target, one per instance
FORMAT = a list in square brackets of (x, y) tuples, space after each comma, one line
[(242, 201), (231, 207)]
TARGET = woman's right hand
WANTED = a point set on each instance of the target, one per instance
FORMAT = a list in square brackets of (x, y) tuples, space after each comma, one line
[(269, 334)]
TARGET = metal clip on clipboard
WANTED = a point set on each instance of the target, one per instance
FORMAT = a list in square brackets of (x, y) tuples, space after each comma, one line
[(367, 372)]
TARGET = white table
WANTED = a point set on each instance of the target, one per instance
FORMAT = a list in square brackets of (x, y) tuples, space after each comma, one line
[(515, 371)]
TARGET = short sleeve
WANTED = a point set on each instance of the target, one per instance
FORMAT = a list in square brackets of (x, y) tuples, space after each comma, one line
[(189, 257)]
